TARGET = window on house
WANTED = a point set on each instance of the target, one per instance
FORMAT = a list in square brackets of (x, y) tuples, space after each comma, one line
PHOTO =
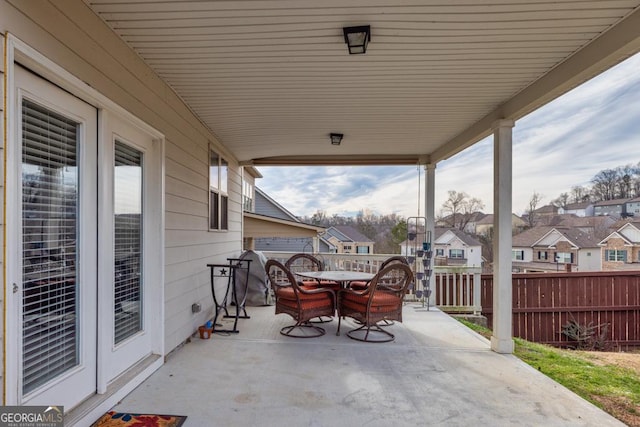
[(439, 252), (456, 253), (543, 255), (247, 197), (218, 197), (517, 255), (347, 247), (615, 255), (362, 249), (564, 257)]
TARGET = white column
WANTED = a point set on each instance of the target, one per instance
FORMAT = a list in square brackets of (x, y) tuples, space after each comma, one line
[(502, 338), (429, 213)]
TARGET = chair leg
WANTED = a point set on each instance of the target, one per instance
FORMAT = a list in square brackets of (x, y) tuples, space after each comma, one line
[(375, 330), (322, 319), (302, 328)]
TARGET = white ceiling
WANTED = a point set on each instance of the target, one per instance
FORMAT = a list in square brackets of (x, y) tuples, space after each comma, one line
[(272, 78)]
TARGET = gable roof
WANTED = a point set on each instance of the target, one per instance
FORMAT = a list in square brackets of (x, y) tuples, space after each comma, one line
[(625, 234), (576, 237), (459, 234), (464, 237), (528, 237)]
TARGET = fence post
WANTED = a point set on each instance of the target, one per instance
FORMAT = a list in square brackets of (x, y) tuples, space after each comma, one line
[(477, 303)]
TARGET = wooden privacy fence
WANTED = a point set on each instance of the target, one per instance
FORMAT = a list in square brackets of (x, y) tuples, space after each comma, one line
[(543, 303)]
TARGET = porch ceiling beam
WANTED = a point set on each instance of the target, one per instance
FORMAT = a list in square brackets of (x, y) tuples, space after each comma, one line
[(619, 43), (340, 160)]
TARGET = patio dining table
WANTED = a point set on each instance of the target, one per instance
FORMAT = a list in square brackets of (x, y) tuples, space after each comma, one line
[(342, 277)]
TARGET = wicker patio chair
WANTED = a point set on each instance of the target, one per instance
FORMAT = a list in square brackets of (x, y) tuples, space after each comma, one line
[(381, 301), (307, 262), (300, 302), (360, 285)]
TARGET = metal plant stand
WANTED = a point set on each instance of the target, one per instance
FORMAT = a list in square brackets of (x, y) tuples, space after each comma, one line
[(420, 255), (221, 273)]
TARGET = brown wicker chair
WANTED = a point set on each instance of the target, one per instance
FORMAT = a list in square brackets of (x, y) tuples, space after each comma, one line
[(307, 262), (299, 302), (381, 301), (359, 285)]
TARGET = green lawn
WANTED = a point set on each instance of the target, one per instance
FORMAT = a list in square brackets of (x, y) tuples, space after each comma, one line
[(614, 389)]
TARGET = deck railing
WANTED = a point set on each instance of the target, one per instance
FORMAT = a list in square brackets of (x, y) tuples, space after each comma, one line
[(453, 289)]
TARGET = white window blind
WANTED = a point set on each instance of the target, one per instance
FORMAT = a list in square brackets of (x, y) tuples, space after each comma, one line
[(128, 241), (49, 257)]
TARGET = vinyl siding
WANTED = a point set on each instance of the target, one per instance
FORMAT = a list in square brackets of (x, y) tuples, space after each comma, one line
[(113, 70), (264, 207), (285, 244)]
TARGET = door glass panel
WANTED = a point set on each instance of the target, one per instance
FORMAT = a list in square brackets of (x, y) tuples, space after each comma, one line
[(128, 241), (49, 256)]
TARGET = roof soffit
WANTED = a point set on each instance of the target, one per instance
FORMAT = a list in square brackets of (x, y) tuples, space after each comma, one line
[(272, 80)]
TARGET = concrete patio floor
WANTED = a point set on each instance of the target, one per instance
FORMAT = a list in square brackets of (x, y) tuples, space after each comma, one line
[(436, 372)]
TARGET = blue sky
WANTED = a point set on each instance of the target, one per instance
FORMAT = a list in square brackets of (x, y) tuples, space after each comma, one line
[(565, 143)]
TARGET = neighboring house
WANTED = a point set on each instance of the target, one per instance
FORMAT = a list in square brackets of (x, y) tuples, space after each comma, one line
[(621, 249), (616, 208), (577, 209), (271, 227), (470, 220), (484, 227), (451, 247), (348, 240), (545, 248), (633, 207)]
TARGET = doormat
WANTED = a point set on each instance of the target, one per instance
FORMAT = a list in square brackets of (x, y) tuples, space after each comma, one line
[(127, 419)]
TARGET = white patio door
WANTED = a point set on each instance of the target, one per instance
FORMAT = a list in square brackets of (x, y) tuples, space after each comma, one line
[(56, 244), (127, 274)]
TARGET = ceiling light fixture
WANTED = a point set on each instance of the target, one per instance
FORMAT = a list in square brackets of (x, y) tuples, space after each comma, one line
[(357, 38), (336, 138)]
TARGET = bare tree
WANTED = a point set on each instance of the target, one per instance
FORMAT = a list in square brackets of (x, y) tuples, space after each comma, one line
[(460, 207), (562, 201), (580, 194), (534, 201), (605, 184)]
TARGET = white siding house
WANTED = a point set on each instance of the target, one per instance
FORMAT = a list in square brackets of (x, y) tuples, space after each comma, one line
[(115, 106)]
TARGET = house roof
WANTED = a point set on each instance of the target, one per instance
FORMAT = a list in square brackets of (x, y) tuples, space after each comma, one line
[(271, 80), (256, 225), (459, 234), (528, 237), (612, 202), (466, 238), (546, 209), (629, 236), (580, 238), (488, 219), (577, 206)]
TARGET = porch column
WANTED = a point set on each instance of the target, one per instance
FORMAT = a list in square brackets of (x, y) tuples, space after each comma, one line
[(502, 338), (429, 211)]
